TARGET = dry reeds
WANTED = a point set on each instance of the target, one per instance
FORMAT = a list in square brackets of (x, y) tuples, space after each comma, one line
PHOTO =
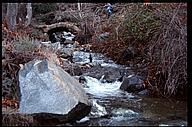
[(158, 32), (169, 50)]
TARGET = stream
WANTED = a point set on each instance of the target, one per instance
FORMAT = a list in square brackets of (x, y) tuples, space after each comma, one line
[(114, 107)]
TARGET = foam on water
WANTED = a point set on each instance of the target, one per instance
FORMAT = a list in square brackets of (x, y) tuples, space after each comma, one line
[(97, 109), (83, 120), (95, 87)]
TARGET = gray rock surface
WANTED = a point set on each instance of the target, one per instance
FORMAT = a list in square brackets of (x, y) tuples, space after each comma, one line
[(66, 52), (72, 68), (50, 93), (132, 84), (105, 74)]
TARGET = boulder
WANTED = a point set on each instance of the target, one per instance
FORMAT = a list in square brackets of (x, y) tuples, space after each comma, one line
[(50, 94), (66, 52), (132, 84), (68, 41), (104, 74), (82, 79), (72, 68)]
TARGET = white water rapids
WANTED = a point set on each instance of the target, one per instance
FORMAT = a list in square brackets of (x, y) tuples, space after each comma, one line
[(103, 94)]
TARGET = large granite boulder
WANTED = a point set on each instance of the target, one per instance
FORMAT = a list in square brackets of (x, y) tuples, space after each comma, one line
[(132, 84), (50, 94)]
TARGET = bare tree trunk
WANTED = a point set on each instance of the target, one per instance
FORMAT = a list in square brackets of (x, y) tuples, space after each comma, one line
[(29, 14), (22, 12), (12, 10), (4, 10), (79, 9)]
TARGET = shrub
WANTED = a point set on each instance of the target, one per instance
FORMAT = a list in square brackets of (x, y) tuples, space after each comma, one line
[(168, 50), (139, 25), (25, 44), (158, 32), (17, 119)]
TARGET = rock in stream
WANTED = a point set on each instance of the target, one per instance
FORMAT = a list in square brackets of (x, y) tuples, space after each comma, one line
[(50, 94)]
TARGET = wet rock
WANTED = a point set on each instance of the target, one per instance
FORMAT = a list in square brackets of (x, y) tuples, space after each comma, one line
[(120, 79), (123, 112), (68, 42), (69, 46), (122, 73), (50, 94), (82, 79), (81, 57), (97, 110), (104, 74), (144, 92), (76, 70), (72, 68), (62, 40), (132, 84), (103, 78), (53, 38), (83, 120), (66, 52)]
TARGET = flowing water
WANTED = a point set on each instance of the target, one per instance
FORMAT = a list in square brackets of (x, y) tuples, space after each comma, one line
[(113, 107)]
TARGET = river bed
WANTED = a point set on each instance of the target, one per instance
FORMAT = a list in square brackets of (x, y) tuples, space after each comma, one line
[(114, 107)]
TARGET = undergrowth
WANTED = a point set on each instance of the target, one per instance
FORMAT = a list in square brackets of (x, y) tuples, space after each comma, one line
[(158, 35)]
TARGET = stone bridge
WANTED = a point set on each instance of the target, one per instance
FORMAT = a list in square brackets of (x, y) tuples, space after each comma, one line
[(61, 26)]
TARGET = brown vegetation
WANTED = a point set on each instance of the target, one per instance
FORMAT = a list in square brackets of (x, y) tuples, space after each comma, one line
[(18, 119), (19, 48), (158, 33)]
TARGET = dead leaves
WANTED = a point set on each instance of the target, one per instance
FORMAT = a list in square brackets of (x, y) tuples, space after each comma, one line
[(10, 103)]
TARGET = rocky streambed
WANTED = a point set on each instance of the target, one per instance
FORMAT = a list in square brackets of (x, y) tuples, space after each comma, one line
[(115, 107), (95, 91)]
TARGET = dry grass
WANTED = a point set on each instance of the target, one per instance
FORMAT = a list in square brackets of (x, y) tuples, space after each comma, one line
[(17, 119), (169, 50)]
